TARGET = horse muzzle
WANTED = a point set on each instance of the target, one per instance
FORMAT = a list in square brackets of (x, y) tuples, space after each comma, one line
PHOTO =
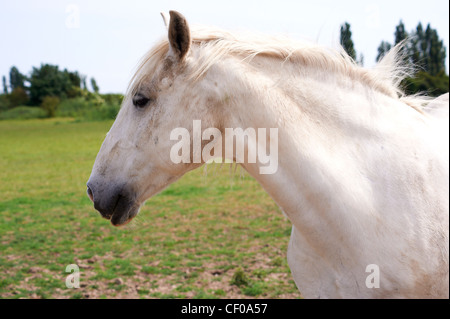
[(115, 203)]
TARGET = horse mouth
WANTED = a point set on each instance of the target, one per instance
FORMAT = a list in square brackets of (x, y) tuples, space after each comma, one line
[(124, 211)]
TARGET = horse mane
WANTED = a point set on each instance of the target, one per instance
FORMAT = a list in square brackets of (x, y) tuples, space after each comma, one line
[(215, 44)]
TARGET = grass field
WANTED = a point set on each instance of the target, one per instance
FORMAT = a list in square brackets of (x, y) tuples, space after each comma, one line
[(214, 235)]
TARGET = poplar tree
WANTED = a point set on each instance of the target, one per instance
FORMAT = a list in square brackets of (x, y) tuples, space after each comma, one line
[(346, 40)]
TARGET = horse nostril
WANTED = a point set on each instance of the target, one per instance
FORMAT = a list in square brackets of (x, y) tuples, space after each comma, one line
[(90, 194)]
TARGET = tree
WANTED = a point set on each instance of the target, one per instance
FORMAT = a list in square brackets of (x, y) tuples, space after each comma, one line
[(18, 97), (5, 87), (361, 60), (436, 52), (400, 33), (16, 79), (83, 83), (427, 51), (416, 47), (94, 85), (75, 80), (383, 49), (45, 81), (48, 80), (400, 36), (4, 102), (346, 40)]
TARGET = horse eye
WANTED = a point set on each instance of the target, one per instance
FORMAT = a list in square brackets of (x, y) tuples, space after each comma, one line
[(140, 101)]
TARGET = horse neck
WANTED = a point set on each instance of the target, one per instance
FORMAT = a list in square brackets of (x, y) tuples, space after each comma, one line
[(318, 117)]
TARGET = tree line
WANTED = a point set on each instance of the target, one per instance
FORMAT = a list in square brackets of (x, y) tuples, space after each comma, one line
[(422, 48), (44, 82)]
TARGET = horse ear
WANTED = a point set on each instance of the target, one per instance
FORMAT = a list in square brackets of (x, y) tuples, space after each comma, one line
[(179, 35), (166, 19)]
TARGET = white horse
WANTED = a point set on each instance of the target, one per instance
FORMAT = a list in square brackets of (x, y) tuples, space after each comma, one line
[(363, 172)]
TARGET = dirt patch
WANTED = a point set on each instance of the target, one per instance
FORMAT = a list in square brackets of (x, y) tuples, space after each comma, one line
[(213, 279)]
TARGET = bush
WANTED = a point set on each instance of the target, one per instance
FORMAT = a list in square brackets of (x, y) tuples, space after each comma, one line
[(103, 112), (113, 98), (50, 104), (87, 110), (426, 83), (23, 113), (94, 98), (73, 107)]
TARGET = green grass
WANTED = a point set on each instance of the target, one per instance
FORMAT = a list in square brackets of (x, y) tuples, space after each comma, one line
[(187, 242)]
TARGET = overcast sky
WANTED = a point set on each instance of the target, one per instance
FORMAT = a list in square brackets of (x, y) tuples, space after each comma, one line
[(105, 39)]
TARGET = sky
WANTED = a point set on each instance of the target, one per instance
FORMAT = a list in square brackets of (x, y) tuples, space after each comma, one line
[(105, 39)]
